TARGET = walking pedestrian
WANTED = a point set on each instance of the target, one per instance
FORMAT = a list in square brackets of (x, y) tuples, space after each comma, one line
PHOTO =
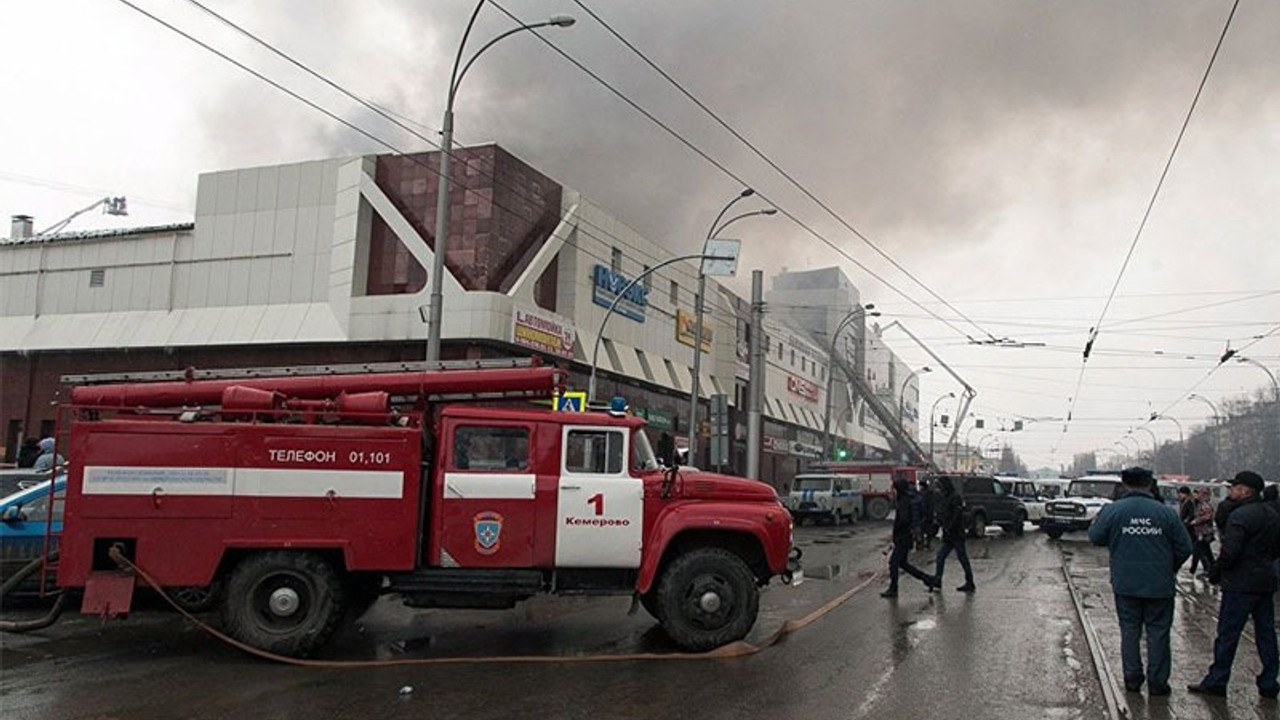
[(1202, 536), (953, 530), (902, 541), (1244, 571), (1147, 543), (929, 516)]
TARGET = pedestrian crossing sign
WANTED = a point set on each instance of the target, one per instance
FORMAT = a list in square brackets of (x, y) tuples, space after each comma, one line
[(571, 401)]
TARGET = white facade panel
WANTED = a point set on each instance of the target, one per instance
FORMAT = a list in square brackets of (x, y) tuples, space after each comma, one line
[(268, 188), (290, 177), (242, 237), (246, 190), (238, 281), (310, 181), (280, 282), (225, 201), (218, 273)]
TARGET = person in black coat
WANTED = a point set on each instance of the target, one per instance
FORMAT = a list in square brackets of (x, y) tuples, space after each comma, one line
[(953, 531), (1244, 570), (28, 453), (902, 541)]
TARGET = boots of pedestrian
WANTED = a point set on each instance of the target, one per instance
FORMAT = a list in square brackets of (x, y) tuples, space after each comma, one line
[(890, 593), (967, 588)]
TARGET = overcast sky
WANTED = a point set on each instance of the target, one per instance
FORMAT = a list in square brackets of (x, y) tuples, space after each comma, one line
[(1003, 152)]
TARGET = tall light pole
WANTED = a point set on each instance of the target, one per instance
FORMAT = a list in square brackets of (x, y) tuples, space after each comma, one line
[(1155, 444), (902, 396), (861, 311), (932, 451), (1212, 432), (595, 350), (694, 391), (1275, 395), (446, 157), (1182, 443), (1275, 386)]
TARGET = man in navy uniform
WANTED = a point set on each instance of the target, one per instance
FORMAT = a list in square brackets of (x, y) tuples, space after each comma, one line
[(1244, 570), (1148, 544)]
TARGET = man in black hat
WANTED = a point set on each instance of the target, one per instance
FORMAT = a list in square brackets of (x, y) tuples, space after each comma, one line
[(1148, 544), (1248, 583)]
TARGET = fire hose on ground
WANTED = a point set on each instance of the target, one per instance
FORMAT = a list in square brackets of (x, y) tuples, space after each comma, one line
[(737, 649), (21, 626)]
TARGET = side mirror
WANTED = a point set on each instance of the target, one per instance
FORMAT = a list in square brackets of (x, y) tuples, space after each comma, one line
[(11, 514)]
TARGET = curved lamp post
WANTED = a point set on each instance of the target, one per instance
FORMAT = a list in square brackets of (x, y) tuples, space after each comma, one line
[(1182, 443), (932, 451), (1155, 444), (595, 350), (861, 311), (902, 396), (446, 157), (694, 390), (1212, 433)]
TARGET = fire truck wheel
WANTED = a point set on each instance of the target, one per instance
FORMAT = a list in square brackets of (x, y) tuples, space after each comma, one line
[(706, 598), (878, 508), (286, 603)]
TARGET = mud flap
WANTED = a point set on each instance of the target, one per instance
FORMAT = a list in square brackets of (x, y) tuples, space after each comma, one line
[(108, 594)]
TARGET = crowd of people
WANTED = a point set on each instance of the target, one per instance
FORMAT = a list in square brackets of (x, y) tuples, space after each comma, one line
[(1149, 542), (39, 455)]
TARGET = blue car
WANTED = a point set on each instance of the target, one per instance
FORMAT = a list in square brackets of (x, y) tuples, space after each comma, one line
[(24, 517)]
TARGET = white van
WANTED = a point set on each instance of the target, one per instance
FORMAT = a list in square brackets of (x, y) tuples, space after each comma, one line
[(824, 496)]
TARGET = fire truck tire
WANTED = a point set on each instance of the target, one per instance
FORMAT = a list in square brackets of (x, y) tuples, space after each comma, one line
[(706, 598), (878, 508), (287, 603)]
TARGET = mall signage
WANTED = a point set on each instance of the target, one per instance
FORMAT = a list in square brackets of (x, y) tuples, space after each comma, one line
[(686, 330), (803, 388), (607, 285), (543, 331)]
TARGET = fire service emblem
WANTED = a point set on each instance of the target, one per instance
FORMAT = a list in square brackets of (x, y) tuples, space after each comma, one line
[(488, 527)]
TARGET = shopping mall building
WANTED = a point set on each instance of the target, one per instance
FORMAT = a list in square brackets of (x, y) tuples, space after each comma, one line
[(326, 262)]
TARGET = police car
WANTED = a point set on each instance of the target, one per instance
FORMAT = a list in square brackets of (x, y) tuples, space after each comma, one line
[(824, 496), (1080, 504)]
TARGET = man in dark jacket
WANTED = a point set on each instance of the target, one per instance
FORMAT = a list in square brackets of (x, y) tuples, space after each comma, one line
[(1148, 544), (953, 529), (1248, 585), (902, 540)]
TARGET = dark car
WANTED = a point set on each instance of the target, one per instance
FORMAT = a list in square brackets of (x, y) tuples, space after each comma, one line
[(988, 502)]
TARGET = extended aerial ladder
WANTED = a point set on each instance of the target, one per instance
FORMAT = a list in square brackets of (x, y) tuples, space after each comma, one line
[(967, 395)]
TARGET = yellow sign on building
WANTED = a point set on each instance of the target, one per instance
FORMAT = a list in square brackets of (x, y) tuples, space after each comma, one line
[(686, 330)]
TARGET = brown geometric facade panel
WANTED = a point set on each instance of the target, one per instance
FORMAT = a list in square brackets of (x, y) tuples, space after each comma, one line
[(501, 211)]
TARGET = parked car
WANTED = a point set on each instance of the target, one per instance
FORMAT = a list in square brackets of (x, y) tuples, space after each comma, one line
[(1084, 499), (24, 517), (14, 479), (1029, 494), (988, 502), (824, 496)]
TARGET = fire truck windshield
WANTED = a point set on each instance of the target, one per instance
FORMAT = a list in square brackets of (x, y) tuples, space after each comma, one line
[(642, 456)]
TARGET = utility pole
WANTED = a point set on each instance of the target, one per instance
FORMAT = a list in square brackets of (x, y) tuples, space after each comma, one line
[(755, 377)]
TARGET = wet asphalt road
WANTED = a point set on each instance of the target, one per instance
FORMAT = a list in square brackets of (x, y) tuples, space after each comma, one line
[(1016, 649)]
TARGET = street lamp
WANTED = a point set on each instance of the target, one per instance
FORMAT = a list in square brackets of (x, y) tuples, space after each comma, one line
[(716, 228), (1211, 432), (1275, 386), (1155, 444), (1214, 408), (446, 156), (595, 350), (1182, 444), (861, 311), (902, 396), (933, 452)]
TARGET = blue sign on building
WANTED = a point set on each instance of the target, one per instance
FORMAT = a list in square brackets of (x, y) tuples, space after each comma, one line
[(607, 284)]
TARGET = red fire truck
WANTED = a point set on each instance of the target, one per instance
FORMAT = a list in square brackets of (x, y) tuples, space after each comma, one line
[(293, 502)]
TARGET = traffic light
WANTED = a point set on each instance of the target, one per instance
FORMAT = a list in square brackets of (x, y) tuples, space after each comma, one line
[(842, 453)]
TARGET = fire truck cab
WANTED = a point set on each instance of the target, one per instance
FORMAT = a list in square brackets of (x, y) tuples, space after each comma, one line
[(294, 502)]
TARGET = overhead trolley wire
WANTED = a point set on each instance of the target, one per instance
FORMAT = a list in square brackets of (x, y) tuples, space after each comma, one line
[(355, 127), (780, 170), (723, 169), (1164, 173)]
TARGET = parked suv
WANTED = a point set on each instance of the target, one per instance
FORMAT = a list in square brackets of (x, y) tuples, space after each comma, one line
[(824, 496), (1029, 494), (988, 502), (1080, 504)]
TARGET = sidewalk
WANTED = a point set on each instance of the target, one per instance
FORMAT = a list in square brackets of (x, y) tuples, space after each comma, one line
[(1194, 629)]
